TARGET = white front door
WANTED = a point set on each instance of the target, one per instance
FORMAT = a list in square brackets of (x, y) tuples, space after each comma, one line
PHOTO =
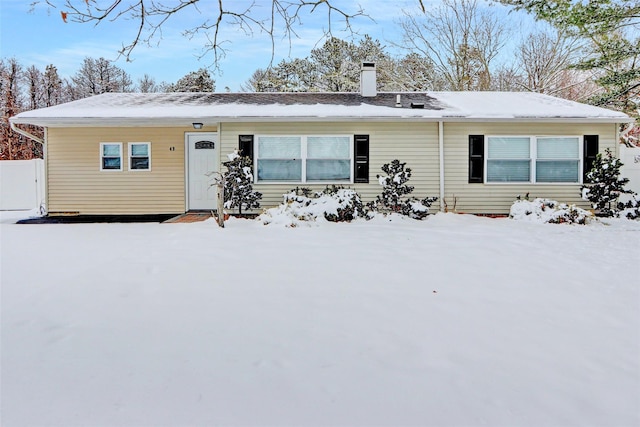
[(202, 162)]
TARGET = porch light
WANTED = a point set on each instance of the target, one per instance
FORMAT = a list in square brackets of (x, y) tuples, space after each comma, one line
[(197, 125)]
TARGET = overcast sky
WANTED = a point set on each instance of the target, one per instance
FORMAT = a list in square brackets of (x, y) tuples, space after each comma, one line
[(41, 37)]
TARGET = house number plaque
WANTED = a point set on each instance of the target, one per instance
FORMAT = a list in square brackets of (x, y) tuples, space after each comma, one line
[(205, 145)]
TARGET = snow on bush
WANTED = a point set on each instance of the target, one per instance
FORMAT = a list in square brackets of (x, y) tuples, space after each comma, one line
[(394, 188), (339, 204), (238, 184), (604, 184), (303, 206), (548, 211), (631, 209)]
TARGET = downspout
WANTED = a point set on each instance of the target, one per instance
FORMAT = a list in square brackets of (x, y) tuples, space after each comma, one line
[(45, 210), (441, 157), (25, 133)]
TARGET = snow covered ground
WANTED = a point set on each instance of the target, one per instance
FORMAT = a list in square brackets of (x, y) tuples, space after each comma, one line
[(452, 321)]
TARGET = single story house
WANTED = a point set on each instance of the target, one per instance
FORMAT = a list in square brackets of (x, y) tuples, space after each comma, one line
[(153, 153)]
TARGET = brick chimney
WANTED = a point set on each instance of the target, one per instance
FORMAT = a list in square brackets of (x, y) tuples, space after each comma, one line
[(368, 79)]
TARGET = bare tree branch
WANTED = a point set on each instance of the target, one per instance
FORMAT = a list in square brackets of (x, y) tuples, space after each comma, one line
[(460, 39), (219, 17)]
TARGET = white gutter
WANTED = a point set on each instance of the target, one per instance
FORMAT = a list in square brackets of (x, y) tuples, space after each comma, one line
[(25, 133), (441, 156), (170, 121)]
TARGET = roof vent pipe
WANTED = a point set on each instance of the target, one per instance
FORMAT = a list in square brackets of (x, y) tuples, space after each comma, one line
[(368, 79), (398, 101)]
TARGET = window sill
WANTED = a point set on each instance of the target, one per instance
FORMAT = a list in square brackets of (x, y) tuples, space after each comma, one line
[(303, 183), (530, 183)]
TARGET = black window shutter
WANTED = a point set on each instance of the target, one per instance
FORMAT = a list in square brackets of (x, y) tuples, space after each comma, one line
[(476, 158), (245, 145), (361, 158), (589, 154)]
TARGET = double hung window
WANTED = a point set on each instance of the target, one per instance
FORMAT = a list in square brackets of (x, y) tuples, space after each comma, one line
[(139, 156), (557, 159), (304, 158), (508, 159), (111, 156), (533, 159)]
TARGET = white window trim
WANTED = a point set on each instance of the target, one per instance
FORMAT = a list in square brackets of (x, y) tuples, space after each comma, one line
[(101, 157), (303, 158), (130, 156), (533, 149)]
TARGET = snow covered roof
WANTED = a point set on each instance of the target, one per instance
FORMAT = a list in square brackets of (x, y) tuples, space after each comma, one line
[(166, 109)]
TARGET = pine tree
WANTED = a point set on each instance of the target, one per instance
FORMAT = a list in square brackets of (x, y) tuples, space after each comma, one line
[(604, 184), (52, 86), (195, 81), (97, 76), (238, 187)]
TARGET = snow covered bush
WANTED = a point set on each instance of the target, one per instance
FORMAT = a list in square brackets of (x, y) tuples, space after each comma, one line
[(238, 184), (349, 206), (631, 209), (301, 205), (394, 188), (548, 211), (604, 184)]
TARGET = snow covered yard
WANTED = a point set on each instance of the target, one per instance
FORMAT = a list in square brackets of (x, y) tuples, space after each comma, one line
[(452, 321)]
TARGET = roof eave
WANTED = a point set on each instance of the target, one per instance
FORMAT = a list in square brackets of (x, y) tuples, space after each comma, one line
[(60, 122)]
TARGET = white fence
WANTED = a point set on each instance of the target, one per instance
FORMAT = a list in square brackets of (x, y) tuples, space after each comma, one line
[(21, 184), (630, 158)]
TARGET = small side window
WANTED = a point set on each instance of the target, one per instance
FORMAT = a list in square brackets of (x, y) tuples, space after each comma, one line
[(245, 145), (110, 156), (590, 152), (361, 159), (139, 156), (476, 158)]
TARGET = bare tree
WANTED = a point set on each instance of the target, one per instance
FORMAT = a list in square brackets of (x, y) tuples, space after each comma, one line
[(460, 39), (258, 82), (10, 71), (279, 20), (544, 57), (507, 78), (12, 145), (147, 84)]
